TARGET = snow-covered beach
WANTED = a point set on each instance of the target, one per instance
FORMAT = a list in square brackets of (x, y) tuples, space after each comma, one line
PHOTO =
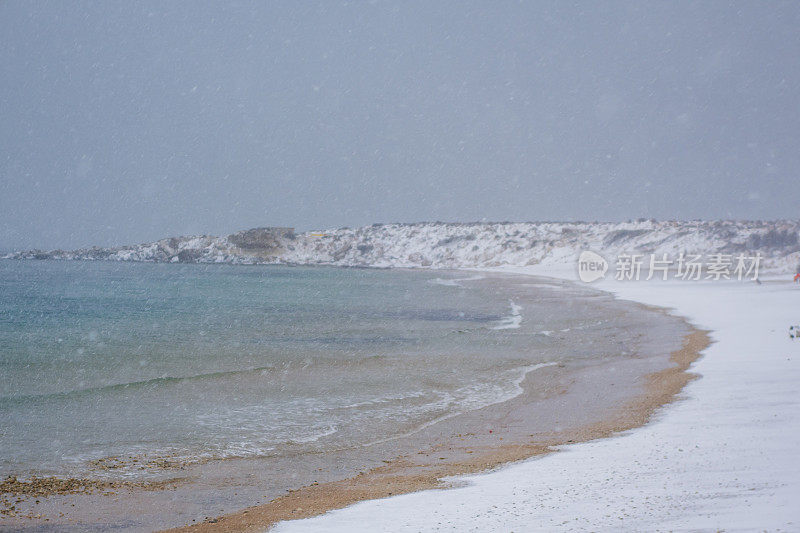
[(722, 458), (356, 266), (719, 458)]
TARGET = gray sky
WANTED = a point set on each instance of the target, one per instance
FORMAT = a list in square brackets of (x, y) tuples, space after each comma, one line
[(122, 123)]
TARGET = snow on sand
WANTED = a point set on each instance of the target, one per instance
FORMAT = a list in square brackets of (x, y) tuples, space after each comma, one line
[(726, 457)]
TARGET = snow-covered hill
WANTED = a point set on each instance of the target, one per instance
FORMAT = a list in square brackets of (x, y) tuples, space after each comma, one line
[(453, 245)]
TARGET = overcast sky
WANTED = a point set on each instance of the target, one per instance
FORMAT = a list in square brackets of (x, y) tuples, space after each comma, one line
[(124, 122)]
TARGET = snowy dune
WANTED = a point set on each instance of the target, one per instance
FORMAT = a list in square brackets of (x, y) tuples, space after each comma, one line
[(477, 245), (722, 458)]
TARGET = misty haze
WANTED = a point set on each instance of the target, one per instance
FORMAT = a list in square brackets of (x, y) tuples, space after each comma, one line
[(128, 122), (399, 266)]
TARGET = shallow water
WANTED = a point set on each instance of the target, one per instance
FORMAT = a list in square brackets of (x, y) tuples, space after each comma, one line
[(106, 360)]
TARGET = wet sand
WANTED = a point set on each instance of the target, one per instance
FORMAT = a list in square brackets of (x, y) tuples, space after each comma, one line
[(576, 401)]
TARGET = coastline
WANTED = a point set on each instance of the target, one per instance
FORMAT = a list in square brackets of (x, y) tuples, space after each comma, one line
[(723, 458), (401, 476), (431, 469), (522, 427)]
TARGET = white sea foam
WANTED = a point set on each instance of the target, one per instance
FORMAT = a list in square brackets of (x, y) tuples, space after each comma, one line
[(330, 430), (454, 282), (470, 398), (382, 400), (513, 320)]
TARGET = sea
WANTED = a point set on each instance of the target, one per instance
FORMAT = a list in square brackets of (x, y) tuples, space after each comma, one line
[(229, 385), (113, 368)]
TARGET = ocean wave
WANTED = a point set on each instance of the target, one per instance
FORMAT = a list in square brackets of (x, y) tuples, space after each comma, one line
[(467, 400), (304, 364), (263, 440)]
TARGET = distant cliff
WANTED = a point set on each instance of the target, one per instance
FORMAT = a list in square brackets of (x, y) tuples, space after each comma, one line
[(452, 245)]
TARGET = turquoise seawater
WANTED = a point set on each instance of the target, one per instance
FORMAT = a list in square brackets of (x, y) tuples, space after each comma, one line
[(195, 362)]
